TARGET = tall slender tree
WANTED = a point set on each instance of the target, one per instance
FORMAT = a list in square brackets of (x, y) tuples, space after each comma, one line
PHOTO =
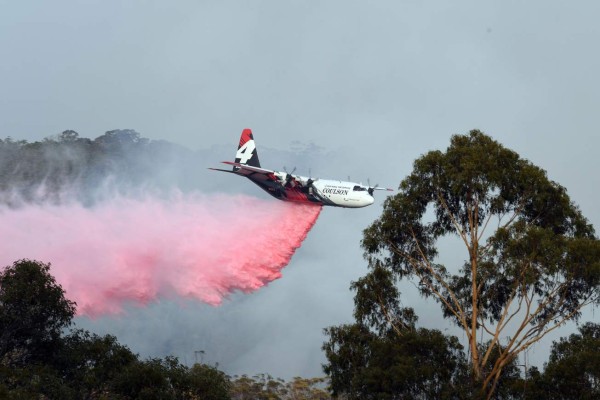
[(532, 260)]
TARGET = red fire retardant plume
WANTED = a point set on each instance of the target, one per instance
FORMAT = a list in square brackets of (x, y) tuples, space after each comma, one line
[(127, 250)]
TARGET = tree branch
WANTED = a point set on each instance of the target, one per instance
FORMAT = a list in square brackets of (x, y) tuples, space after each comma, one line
[(457, 226)]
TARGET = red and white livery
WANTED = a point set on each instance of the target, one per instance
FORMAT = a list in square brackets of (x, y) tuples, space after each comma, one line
[(289, 187)]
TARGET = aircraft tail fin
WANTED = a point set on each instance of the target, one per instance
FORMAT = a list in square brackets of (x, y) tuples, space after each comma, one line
[(246, 153)]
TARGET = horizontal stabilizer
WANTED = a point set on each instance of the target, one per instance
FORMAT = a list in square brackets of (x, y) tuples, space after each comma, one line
[(248, 167), (223, 170)]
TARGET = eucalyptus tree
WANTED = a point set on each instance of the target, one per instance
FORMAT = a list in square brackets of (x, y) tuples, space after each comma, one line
[(532, 260)]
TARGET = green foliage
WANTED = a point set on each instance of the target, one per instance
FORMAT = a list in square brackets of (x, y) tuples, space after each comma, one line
[(384, 356), (168, 379), (90, 362), (418, 364), (306, 389), (538, 268), (260, 387), (377, 303), (33, 313), (208, 383), (34, 381), (475, 180), (510, 384), (573, 370), (149, 379), (265, 387), (37, 360)]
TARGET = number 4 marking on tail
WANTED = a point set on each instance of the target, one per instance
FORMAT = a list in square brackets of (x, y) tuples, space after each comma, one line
[(245, 152)]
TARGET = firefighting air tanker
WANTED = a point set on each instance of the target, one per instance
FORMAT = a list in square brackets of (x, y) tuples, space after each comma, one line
[(288, 187)]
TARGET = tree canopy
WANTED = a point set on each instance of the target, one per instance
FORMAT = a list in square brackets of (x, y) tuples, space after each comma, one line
[(33, 313), (532, 260), (385, 356), (573, 369)]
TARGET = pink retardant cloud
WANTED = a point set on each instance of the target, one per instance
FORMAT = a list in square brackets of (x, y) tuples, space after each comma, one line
[(126, 250)]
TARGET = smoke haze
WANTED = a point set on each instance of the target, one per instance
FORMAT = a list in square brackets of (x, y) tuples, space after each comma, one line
[(110, 249), (375, 84)]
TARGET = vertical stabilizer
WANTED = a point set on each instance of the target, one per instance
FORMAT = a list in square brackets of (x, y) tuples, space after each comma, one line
[(246, 152)]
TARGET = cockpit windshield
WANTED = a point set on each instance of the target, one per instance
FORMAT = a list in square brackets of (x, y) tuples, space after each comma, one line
[(358, 188)]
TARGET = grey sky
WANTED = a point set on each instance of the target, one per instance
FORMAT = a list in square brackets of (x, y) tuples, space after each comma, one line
[(374, 84)]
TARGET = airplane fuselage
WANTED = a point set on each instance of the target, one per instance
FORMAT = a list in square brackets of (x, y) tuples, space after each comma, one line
[(320, 191)]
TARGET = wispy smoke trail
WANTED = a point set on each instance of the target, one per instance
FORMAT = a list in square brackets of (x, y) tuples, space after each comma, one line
[(128, 250)]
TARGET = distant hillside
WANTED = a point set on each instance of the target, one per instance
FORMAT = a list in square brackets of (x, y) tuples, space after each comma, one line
[(68, 166)]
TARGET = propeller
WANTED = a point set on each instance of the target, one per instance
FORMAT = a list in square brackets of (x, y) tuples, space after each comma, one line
[(288, 175), (372, 189), (310, 180)]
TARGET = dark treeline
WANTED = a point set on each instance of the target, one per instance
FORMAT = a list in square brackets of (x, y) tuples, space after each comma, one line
[(41, 358), (83, 169)]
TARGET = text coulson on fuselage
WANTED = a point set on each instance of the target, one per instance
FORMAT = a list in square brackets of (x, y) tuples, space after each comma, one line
[(335, 191)]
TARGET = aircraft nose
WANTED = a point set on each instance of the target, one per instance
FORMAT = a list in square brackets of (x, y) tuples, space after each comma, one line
[(371, 200)]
